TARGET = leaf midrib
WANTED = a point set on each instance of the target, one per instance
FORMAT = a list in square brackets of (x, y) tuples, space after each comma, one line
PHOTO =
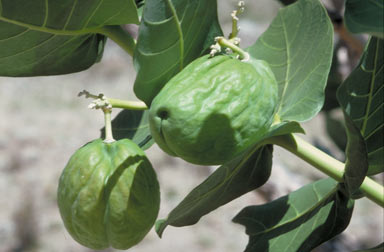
[(50, 30), (179, 31), (46, 13), (372, 84), (228, 178), (288, 67), (318, 204)]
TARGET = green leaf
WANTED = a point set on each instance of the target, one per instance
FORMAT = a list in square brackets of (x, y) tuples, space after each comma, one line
[(284, 128), (378, 248), (299, 221), (333, 83), (336, 130), (298, 46), (356, 165), (362, 98), (56, 37), (134, 125), (228, 182), (172, 33), (365, 16)]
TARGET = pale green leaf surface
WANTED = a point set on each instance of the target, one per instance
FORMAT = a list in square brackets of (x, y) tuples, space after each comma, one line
[(299, 221), (172, 33), (56, 37), (365, 16), (298, 46), (284, 128), (228, 182), (362, 98), (134, 125)]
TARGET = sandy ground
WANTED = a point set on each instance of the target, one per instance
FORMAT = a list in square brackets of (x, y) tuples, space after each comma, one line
[(43, 122)]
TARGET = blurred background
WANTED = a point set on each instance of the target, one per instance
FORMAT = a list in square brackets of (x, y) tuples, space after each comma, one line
[(42, 123)]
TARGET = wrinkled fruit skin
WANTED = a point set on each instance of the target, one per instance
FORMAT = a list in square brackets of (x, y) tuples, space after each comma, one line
[(214, 109), (108, 195)]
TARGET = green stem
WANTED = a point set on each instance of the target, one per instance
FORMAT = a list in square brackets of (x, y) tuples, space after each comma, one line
[(373, 190), (131, 105), (235, 19), (235, 28), (327, 164), (243, 55), (120, 37), (108, 126)]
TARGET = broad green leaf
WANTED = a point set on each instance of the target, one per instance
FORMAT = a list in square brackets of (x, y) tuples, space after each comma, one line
[(172, 33), (365, 16), (284, 128), (228, 182), (356, 165), (300, 221), (334, 81), (379, 248), (227, 179), (362, 98), (336, 131), (134, 125), (298, 46), (56, 37)]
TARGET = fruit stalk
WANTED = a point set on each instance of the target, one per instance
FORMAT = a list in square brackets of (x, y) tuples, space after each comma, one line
[(131, 105), (108, 126), (102, 101), (232, 44)]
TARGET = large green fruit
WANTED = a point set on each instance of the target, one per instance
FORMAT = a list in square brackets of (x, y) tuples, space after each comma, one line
[(214, 109), (108, 195)]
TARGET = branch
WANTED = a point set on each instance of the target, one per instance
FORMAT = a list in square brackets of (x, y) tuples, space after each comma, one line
[(327, 164)]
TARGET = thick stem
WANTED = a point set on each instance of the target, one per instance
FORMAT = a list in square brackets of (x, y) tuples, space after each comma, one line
[(131, 105), (373, 191), (108, 126), (312, 155), (120, 37), (327, 164)]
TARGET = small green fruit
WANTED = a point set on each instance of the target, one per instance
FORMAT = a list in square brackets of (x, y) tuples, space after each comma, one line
[(108, 195), (214, 109)]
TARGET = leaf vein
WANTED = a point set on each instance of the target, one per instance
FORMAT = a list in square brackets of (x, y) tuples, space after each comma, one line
[(31, 48), (93, 13), (46, 13), (319, 203), (180, 32), (15, 36), (373, 131), (70, 14), (369, 103), (45, 56)]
